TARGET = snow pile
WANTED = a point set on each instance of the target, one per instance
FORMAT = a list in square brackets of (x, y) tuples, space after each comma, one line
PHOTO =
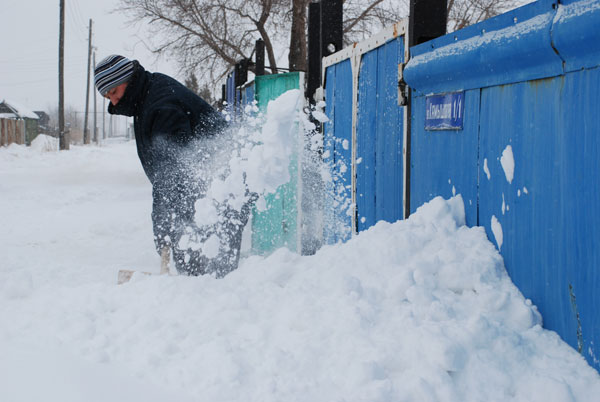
[(31, 374), (416, 310), (44, 143)]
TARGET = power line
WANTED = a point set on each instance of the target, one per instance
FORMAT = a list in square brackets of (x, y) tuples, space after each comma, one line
[(14, 84), (77, 15), (24, 56), (78, 27), (34, 68)]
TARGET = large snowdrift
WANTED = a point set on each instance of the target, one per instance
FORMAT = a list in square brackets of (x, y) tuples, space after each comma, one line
[(420, 310)]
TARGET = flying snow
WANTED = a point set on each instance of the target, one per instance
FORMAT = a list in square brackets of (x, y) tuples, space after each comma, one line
[(417, 310)]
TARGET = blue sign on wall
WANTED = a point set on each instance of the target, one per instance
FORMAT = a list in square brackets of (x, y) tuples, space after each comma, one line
[(445, 111)]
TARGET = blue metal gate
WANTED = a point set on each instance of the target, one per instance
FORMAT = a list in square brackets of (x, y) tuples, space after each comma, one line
[(380, 137), (366, 150), (337, 152)]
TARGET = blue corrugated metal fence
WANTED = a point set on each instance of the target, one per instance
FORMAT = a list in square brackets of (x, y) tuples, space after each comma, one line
[(337, 153), (527, 158), (364, 138)]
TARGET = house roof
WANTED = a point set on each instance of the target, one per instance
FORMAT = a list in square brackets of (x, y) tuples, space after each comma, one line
[(6, 112), (12, 109), (41, 113)]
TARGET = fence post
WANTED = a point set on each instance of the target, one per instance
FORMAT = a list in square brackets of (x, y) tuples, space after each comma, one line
[(325, 37), (313, 79), (241, 72), (332, 29), (241, 76), (427, 20), (259, 68)]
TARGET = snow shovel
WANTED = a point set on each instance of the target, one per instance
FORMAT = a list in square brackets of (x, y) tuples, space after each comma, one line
[(165, 255)]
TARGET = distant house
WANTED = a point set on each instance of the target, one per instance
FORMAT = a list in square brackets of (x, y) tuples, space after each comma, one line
[(13, 110), (44, 118), (43, 122)]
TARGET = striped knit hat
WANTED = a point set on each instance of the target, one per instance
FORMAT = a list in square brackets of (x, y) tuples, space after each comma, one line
[(111, 72)]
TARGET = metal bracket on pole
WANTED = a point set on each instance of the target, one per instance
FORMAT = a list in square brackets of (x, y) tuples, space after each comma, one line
[(402, 87)]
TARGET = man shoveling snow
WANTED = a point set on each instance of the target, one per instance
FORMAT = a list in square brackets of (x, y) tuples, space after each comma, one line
[(173, 127)]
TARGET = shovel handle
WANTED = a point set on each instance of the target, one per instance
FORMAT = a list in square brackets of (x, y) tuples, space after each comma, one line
[(165, 256)]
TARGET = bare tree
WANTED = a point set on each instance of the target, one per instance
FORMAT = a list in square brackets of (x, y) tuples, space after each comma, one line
[(192, 83), (208, 37), (297, 59), (73, 118), (462, 13), (364, 18), (206, 94)]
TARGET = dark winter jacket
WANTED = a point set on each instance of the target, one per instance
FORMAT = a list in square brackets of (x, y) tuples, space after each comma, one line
[(169, 121)]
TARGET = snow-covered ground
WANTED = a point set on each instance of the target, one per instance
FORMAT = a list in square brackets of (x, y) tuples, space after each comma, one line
[(420, 310)]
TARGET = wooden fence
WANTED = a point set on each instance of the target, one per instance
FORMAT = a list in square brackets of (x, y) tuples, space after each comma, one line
[(12, 132)]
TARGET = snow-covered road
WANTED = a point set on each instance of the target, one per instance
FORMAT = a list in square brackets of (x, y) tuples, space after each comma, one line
[(420, 310)]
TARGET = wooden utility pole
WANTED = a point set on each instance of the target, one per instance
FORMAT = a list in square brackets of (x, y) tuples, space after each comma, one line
[(86, 133), (103, 118), (95, 126), (63, 140)]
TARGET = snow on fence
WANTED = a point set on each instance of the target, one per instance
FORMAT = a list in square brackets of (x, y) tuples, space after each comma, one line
[(364, 138), (281, 223), (504, 112), (12, 131), (520, 96)]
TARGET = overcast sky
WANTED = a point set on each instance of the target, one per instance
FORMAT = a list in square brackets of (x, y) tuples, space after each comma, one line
[(29, 49)]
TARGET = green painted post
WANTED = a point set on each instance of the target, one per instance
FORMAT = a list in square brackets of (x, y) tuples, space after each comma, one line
[(277, 226)]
